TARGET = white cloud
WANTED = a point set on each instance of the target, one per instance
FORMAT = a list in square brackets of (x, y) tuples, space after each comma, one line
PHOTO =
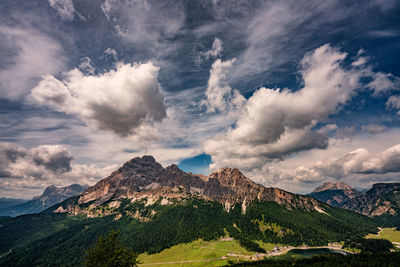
[(65, 8), (107, 7), (112, 53), (124, 101), (359, 161), (298, 173), (382, 82), (277, 33), (215, 50), (373, 128), (275, 123), (18, 162), (32, 54), (149, 25), (220, 96), (26, 172), (394, 103), (86, 66)]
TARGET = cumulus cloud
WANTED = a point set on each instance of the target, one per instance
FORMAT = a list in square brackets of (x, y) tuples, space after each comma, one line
[(18, 162), (220, 96), (32, 54), (277, 122), (359, 161), (126, 100), (65, 8), (26, 171)]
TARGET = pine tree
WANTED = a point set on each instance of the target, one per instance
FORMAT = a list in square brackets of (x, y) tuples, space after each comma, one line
[(109, 251)]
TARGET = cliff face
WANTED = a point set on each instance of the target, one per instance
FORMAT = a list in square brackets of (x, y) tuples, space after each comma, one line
[(144, 178), (381, 199), (334, 194)]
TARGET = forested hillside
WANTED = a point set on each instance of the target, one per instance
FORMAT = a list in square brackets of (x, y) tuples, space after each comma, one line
[(49, 239)]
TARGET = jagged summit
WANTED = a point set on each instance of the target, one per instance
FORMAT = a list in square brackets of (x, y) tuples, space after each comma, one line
[(145, 178), (231, 177)]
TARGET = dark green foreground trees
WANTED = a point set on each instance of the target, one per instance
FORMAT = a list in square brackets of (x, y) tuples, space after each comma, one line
[(110, 252)]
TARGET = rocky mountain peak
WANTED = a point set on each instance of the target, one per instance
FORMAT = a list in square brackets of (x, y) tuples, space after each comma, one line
[(144, 178), (140, 163), (173, 168), (332, 186), (139, 168), (51, 189), (231, 177)]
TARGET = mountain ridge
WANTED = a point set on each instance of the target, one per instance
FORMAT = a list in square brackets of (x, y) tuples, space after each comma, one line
[(334, 193), (381, 199), (144, 178)]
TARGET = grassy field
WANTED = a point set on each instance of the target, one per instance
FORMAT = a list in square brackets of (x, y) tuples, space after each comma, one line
[(387, 233), (196, 251)]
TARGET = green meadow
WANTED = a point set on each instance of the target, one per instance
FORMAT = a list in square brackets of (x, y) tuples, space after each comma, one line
[(390, 234), (207, 253)]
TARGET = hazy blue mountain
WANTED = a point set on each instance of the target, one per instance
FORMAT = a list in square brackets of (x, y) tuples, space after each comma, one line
[(51, 196)]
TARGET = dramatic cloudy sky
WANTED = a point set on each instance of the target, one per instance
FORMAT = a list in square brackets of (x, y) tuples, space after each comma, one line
[(293, 93)]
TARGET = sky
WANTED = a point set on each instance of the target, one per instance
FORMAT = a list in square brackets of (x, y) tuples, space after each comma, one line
[(293, 93)]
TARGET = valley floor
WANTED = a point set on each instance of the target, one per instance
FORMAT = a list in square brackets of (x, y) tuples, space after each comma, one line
[(390, 234), (216, 253)]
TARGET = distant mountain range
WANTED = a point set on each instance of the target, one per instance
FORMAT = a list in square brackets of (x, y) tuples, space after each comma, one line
[(52, 195), (381, 199)]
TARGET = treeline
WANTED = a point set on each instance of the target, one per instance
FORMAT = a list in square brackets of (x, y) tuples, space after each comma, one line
[(369, 245)]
